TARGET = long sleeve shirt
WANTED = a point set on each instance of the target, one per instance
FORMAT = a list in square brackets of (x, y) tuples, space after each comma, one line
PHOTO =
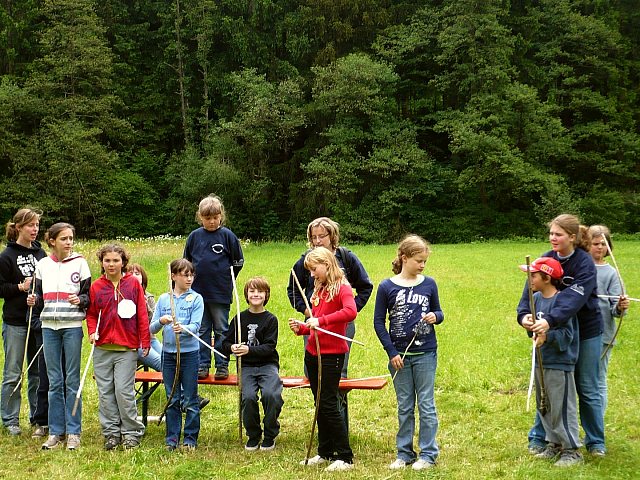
[(608, 284), (259, 331), (189, 308)]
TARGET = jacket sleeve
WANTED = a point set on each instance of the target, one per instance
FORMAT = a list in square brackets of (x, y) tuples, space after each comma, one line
[(359, 280), (295, 298), (434, 305), (237, 258), (142, 318), (560, 337), (92, 312), (8, 287), (196, 316), (380, 320)]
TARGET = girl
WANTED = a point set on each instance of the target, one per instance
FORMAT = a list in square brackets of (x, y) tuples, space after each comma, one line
[(411, 302), (569, 245), (154, 359), (608, 284), (62, 292), (213, 249), (17, 265), (188, 310), (118, 299), (333, 307)]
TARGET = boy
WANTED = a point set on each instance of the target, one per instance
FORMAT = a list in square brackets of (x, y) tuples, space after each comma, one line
[(260, 365), (559, 352)]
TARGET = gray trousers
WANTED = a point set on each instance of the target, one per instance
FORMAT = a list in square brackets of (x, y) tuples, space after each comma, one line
[(561, 420), (115, 376)]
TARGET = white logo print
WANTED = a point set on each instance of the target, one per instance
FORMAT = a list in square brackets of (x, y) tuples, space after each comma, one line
[(217, 248), (252, 341)]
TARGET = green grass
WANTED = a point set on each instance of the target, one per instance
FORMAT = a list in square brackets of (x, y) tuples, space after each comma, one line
[(480, 386)]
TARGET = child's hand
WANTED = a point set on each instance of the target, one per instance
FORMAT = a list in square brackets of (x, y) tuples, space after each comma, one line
[(430, 318), (294, 325), (166, 319), (177, 328), (307, 313), (93, 338), (312, 322), (540, 326), (145, 352), (623, 304), (397, 363), (31, 299), (540, 339), (74, 299), (527, 321), (239, 350)]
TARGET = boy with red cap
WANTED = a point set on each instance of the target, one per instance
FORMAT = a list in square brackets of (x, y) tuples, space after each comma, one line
[(559, 353)]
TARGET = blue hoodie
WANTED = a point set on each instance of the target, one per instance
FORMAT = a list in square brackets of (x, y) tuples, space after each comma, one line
[(189, 309)]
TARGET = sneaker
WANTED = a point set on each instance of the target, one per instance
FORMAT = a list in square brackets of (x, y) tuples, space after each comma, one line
[(339, 466), (203, 372), (14, 430), (536, 449), (569, 458), (40, 432), (111, 442), (267, 444), (203, 402), (130, 443), (170, 447), (188, 447), (222, 373), (551, 451), (54, 441), (421, 464), (252, 444), (73, 441), (317, 460), (398, 464), (598, 452)]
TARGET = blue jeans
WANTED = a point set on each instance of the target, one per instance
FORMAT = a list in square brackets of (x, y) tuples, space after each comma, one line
[(587, 385), (13, 338), (187, 388), (214, 320), (415, 384), (58, 344), (604, 368), (154, 359), (266, 380)]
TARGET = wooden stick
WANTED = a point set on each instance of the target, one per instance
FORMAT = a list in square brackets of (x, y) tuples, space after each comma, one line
[(96, 335), (238, 357), (174, 321), (542, 407), (204, 343), (28, 367), (615, 264), (618, 296), (26, 341)]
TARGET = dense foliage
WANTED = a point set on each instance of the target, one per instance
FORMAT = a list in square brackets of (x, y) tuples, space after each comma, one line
[(456, 119)]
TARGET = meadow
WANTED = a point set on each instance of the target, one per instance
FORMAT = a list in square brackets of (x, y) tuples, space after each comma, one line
[(481, 383)]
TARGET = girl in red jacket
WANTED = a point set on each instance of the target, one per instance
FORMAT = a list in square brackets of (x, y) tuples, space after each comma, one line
[(117, 299), (332, 308)]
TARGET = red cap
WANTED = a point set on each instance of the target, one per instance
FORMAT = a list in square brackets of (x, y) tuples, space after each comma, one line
[(547, 265)]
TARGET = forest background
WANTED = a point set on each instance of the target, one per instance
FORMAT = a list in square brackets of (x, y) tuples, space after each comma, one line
[(456, 119)]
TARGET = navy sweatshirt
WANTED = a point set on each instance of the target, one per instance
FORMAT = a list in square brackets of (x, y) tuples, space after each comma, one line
[(560, 350)]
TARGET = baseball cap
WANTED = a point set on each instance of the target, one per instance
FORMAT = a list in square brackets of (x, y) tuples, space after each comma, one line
[(547, 265)]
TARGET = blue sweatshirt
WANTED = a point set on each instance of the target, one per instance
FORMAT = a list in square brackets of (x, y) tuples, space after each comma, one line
[(608, 284), (212, 255), (560, 350), (189, 309), (406, 306), (577, 296)]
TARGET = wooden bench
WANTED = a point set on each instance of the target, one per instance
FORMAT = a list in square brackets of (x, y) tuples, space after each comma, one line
[(150, 381)]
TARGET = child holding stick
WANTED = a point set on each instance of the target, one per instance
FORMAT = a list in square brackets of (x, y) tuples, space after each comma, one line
[(411, 302), (154, 358)]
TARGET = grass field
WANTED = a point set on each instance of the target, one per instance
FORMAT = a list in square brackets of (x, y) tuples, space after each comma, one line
[(480, 385)]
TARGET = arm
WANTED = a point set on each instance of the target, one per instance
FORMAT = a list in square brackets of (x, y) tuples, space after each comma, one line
[(379, 322), (142, 318), (237, 258), (560, 337), (347, 312), (434, 305), (295, 298), (197, 311), (359, 280)]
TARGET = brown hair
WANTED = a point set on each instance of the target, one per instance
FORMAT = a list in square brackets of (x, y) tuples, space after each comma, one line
[(180, 265), (54, 230), (132, 267), (260, 284), (22, 217), (113, 247), (601, 231), (571, 224), (335, 275), (332, 228), (409, 246), (210, 206)]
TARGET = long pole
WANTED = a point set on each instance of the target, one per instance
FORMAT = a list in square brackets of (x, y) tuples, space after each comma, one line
[(96, 335), (238, 357), (542, 407), (26, 341), (177, 336)]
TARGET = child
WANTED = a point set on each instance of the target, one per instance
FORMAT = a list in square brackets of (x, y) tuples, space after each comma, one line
[(411, 302), (17, 264), (332, 307), (188, 310), (213, 249), (154, 359), (62, 292), (608, 284), (260, 365), (559, 353), (118, 299)]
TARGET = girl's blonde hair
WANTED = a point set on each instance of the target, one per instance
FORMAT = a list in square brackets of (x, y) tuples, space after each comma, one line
[(332, 228), (22, 217), (113, 247), (571, 224), (335, 275), (210, 206), (409, 246), (596, 231)]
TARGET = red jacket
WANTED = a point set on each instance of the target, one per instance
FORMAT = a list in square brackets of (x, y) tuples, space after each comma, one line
[(332, 316), (129, 332)]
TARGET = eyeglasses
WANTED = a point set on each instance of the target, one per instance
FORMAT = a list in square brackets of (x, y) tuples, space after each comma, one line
[(186, 275), (319, 237)]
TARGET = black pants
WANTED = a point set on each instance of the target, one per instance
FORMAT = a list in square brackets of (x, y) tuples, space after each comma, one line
[(41, 415), (333, 439)]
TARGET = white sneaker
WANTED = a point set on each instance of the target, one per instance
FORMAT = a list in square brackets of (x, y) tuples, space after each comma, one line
[(421, 464), (398, 464), (339, 466), (317, 460), (73, 441)]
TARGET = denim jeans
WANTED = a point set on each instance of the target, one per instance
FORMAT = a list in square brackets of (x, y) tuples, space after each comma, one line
[(65, 343), (13, 338), (188, 380), (333, 438), (214, 320), (154, 359), (266, 380), (590, 405), (415, 384), (602, 381)]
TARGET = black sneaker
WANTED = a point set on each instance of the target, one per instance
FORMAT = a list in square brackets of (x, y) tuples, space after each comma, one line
[(252, 444), (550, 452), (203, 402), (111, 442), (268, 444), (203, 372), (130, 443), (222, 373)]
